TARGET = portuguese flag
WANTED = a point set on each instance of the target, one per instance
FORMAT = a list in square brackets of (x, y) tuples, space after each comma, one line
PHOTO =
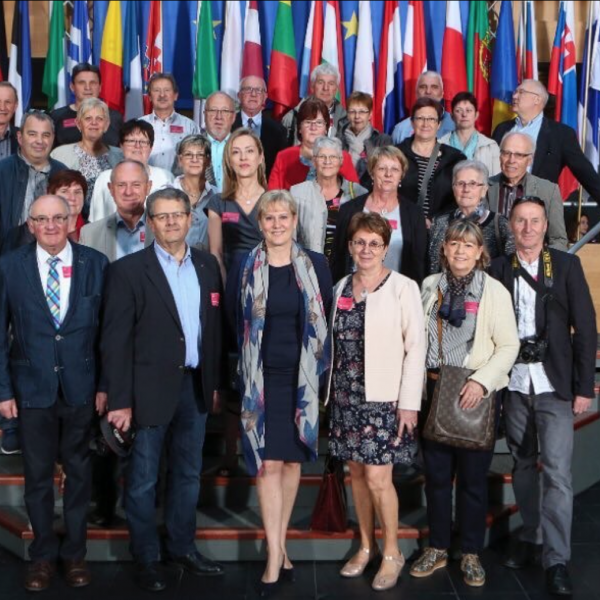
[(283, 77), (479, 59)]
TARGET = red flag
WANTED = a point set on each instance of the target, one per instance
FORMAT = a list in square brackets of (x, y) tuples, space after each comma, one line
[(454, 65), (316, 47), (252, 63), (153, 51), (333, 46), (415, 51)]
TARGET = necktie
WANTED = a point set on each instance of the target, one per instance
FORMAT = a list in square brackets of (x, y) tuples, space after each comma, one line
[(251, 124), (53, 290)]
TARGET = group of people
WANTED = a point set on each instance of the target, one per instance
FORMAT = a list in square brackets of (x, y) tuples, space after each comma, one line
[(135, 255)]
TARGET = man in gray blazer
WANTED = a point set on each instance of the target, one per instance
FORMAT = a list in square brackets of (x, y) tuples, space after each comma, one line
[(514, 181), (124, 232)]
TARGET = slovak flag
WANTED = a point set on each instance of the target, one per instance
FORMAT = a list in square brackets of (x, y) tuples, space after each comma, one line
[(562, 81), (415, 50), (388, 106), (153, 58), (527, 59)]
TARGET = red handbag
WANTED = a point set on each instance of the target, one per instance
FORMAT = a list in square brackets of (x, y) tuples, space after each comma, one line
[(330, 512)]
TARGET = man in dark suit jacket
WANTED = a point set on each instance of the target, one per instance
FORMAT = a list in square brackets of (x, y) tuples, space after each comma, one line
[(546, 388), (161, 353), (556, 144), (252, 97), (50, 295)]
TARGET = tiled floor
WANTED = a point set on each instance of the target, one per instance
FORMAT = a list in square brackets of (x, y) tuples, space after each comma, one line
[(115, 581)]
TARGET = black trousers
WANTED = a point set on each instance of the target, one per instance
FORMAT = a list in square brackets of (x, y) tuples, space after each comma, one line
[(59, 433), (471, 467)]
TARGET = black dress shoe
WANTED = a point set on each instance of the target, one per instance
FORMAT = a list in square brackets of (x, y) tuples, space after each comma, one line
[(521, 556), (196, 564), (558, 580), (150, 577)]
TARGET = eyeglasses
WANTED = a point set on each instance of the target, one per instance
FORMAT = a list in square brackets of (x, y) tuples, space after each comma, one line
[(55, 220), (468, 185), (193, 156), (252, 90), (213, 112), (517, 155), (314, 124), (362, 245), (164, 217), (521, 91), (359, 112), (426, 120), (327, 158), (134, 142)]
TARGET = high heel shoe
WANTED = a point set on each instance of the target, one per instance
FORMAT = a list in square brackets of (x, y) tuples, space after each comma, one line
[(288, 574), (386, 582), (356, 566), (266, 589)]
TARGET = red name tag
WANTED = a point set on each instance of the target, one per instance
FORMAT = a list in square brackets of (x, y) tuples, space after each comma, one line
[(68, 123), (176, 128), (344, 303), (215, 298), (393, 223), (67, 271), (472, 307), (335, 201), (142, 237), (228, 217)]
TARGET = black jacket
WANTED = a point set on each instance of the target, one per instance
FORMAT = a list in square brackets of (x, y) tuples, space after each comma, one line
[(557, 147), (442, 196), (571, 361), (142, 342), (414, 234)]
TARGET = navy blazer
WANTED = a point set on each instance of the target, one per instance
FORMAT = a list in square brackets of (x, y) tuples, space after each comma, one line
[(35, 357)]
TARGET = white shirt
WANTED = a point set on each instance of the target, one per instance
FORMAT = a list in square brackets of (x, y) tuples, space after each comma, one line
[(524, 375), (167, 135), (256, 119), (65, 272)]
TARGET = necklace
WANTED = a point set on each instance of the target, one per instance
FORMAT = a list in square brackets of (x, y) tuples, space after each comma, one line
[(365, 291)]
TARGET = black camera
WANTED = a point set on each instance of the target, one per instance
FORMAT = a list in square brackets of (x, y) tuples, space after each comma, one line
[(532, 350)]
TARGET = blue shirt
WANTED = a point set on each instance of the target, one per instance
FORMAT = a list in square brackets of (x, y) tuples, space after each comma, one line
[(216, 158), (532, 129), (185, 288), (130, 240), (404, 129)]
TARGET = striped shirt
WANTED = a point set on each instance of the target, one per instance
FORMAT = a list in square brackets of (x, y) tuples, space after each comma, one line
[(422, 162)]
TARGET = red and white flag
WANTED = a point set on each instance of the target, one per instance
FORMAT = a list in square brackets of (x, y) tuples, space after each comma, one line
[(364, 63), (233, 47), (333, 47), (454, 64), (415, 51), (252, 63), (153, 58)]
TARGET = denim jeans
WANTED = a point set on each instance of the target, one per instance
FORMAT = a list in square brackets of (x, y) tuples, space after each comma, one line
[(184, 439)]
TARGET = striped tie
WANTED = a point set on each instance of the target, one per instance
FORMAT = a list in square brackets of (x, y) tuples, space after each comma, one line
[(53, 291)]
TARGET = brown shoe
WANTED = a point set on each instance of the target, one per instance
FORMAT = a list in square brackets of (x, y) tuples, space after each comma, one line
[(77, 573), (39, 575)]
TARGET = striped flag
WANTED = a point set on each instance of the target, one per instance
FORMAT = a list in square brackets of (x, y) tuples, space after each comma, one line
[(454, 65), (132, 65), (364, 65), (3, 54), (252, 63), (153, 58), (111, 58), (527, 60), (333, 46), (415, 51), (19, 69), (313, 45), (80, 42), (54, 83), (233, 48)]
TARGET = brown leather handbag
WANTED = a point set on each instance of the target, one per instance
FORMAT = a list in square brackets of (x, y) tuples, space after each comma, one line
[(449, 424), (330, 512)]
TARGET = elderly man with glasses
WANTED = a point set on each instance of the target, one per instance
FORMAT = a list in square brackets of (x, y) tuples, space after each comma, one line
[(517, 151)]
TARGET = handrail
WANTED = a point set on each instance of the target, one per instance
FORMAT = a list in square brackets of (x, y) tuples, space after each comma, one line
[(590, 235)]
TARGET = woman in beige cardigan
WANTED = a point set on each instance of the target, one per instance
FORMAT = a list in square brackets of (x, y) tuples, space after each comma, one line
[(375, 387), (478, 332)]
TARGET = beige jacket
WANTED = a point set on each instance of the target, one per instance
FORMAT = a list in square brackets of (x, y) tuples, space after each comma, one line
[(394, 342), (486, 151), (496, 342)]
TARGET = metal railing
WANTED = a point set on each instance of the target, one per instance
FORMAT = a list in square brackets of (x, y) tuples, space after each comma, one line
[(590, 235)]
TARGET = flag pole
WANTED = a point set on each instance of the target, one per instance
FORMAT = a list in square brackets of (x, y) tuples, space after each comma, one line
[(585, 107)]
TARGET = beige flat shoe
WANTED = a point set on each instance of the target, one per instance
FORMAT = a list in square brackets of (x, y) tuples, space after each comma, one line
[(356, 566), (385, 582)]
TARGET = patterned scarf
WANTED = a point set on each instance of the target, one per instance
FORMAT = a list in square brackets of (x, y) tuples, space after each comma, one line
[(479, 215), (356, 142), (312, 170), (314, 355), (453, 304)]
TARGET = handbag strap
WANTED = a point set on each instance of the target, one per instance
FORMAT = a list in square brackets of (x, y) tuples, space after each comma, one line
[(428, 174), (439, 326)]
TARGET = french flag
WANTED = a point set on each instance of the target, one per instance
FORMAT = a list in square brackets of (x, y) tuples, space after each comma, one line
[(415, 50), (252, 63), (313, 45), (388, 107)]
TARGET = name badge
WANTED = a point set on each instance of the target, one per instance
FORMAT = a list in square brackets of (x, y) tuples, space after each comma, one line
[(67, 272), (472, 307), (215, 298), (229, 217), (393, 223), (69, 123), (142, 237), (176, 128), (344, 303), (336, 202)]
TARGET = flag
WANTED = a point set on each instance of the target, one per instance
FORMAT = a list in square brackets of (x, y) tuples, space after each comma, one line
[(479, 58), (562, 82), (132, 65), (19, 69), (313, 45), (283, 81), (333, 47), (111, 58), (232, 51), (388, 106), (54, 83), (454, 66), (590, 120), (80, 42), (3, 54), (527, 61), (415, 51), (364, 66), (349, 10), (153, 57), (206, 80), (252, 63), (504, 67)]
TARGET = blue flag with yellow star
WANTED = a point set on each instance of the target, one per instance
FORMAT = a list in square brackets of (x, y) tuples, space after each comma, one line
[(349, 17)]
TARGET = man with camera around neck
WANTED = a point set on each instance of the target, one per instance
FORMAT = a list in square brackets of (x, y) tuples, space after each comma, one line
[(552, 380)]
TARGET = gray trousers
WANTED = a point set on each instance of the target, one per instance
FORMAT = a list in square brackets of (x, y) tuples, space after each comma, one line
[(542, 422)]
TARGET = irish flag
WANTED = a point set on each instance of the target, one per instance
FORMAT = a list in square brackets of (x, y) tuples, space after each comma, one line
[(111, 58)]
